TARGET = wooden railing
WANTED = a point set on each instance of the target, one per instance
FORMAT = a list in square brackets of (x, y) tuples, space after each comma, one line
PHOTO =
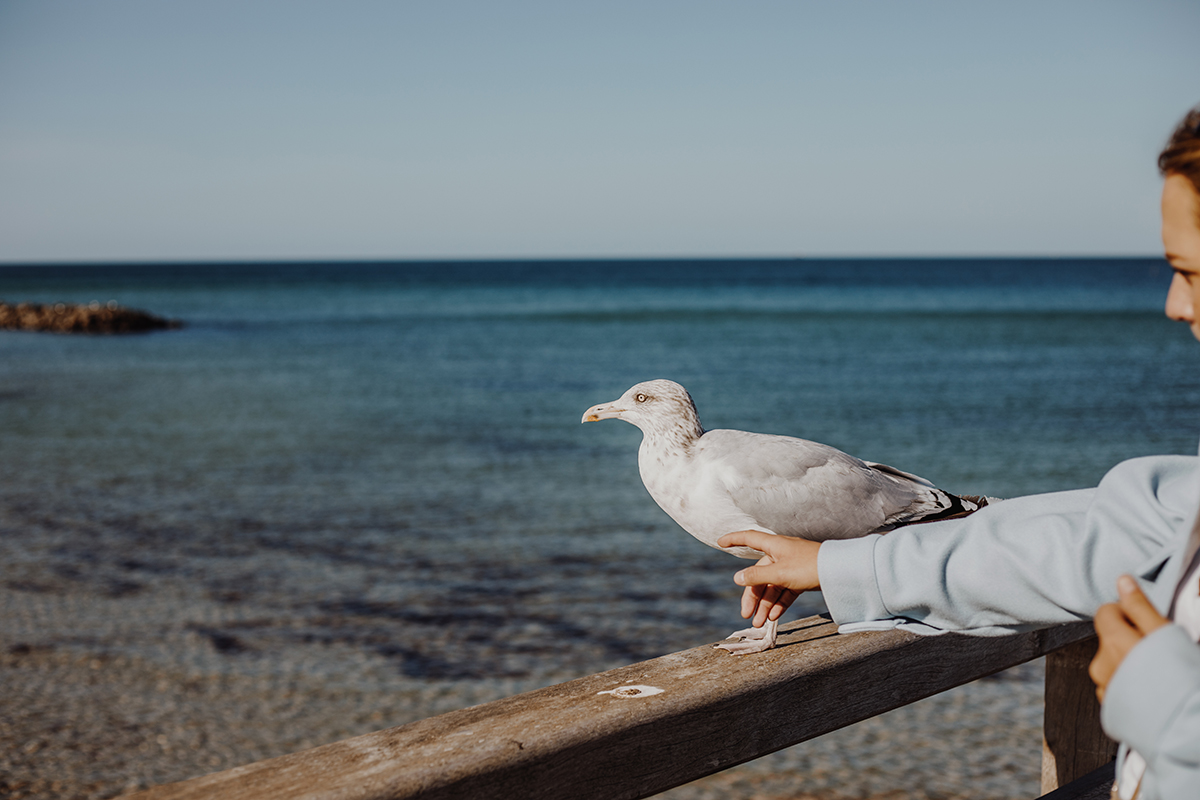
[(638, 730)]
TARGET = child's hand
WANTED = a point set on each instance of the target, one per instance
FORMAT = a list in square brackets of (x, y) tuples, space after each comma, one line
[(788, 569), (1121, 626)]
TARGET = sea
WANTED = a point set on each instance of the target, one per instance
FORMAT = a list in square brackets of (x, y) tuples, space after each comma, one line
[(391, 454)]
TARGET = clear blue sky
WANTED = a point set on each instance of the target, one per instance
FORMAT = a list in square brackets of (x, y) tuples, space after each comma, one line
[(213, 130)]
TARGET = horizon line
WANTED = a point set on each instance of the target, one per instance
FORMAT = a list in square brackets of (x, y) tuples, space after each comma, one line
[(314, 260)]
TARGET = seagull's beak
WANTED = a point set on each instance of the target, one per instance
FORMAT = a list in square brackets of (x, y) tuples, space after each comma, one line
[(603, 411)]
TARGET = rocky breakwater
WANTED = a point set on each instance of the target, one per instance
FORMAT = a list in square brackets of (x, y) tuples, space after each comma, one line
[(80, 318)]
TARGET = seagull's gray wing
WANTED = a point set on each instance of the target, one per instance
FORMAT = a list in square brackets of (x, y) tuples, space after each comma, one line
[(795, 487)]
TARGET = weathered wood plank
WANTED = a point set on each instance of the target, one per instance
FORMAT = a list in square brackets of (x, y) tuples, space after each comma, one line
[(1073, 742), (581, 740)]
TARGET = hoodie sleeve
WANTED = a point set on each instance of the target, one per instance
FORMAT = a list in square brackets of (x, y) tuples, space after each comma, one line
[(1020, 564)]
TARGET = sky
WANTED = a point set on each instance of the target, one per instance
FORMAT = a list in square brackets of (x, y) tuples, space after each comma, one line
[(151, 131)]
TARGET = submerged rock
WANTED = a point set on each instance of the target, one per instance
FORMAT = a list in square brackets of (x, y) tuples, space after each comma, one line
[(80, 318)]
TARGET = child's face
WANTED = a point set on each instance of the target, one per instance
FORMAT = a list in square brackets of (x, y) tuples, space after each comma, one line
[(1181, 243)]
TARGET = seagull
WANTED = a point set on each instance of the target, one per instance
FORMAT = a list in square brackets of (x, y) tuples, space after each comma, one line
[(720, 481)]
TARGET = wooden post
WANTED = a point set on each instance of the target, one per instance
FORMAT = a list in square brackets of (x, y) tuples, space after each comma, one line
[(1073, 743)]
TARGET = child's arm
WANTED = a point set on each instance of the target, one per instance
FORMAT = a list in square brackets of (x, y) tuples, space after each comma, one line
[(1018, 565)]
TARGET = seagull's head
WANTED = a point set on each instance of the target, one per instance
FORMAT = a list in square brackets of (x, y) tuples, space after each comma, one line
[(654, 406)]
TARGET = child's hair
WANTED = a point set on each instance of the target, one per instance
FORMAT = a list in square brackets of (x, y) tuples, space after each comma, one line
[(1181, 156)]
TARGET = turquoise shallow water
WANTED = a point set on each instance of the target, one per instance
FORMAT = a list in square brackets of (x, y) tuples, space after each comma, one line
[(422, 420)]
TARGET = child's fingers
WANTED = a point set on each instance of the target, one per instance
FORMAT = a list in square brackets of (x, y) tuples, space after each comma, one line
[(750, 576), (1118, 636), (756, 539), (758, 575), (786, 598), (769, 599), (1137, 607), (750, 597)]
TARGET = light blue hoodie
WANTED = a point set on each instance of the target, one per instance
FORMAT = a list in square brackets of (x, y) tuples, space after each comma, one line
[(1031, 562)]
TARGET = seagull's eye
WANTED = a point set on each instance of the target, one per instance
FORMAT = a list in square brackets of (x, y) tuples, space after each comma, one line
[(641, 398)]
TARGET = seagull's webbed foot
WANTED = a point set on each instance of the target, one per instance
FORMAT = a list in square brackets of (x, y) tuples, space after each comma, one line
[(751, 640)]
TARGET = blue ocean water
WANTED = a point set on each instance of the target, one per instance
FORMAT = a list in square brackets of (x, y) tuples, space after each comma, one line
[(421, 421)]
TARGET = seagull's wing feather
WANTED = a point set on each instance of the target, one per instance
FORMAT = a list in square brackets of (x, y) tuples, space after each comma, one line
[(806, 489), (884, 468)]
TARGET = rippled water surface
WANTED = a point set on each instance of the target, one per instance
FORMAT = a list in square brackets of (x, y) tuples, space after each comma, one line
[(429, 413)]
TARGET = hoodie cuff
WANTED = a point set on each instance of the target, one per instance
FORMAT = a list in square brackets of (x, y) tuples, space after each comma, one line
[(846, 569), (1149, 689)]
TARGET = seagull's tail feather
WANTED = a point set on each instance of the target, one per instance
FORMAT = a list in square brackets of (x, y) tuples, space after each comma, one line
[(952, 507), (930, 504)]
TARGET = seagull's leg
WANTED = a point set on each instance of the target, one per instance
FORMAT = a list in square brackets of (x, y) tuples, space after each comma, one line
[(752, 640)]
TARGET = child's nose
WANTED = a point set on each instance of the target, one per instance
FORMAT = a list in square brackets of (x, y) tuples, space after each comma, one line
[(1179, 300)]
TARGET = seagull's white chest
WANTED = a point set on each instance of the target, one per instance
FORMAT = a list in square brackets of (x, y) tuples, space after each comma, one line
[(691, 496), (667, 478)]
